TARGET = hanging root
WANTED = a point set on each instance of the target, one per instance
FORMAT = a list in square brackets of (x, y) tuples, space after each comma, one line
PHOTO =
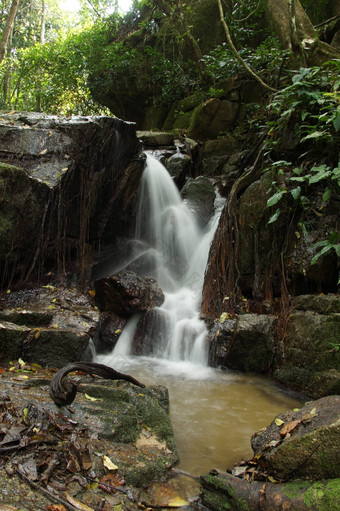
[(64, 393)]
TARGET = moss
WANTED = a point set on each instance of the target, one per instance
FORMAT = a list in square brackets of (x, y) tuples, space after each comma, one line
[(293, 490), (323, 497)]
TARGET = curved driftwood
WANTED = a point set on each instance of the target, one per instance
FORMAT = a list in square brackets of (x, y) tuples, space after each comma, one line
[(64, 393)]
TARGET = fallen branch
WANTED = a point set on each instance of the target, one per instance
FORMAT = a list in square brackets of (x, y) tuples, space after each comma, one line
[(236, 492), (64, 393)]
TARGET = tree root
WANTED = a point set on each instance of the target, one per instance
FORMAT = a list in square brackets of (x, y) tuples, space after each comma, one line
[(64, 393)]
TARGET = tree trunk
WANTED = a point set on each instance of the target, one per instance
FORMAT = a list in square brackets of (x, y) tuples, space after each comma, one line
[(297, 34), (7, 29), (223, 489), (249, 71)]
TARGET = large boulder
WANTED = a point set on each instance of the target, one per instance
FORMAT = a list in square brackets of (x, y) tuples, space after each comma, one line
[(199, 194), (126, 293), (67, 185), (115, 434), (310, 357), (48, 325), (304, 443)]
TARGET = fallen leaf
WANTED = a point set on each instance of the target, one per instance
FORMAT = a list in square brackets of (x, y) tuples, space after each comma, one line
[(110, 481), (77, 504), (108, 463), (92, 293), (279, 422), (90, 398), (57, 507), (289, 427), (21, 362), (118, 331)]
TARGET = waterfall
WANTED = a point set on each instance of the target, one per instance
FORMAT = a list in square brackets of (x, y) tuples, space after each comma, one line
[(167, 232)]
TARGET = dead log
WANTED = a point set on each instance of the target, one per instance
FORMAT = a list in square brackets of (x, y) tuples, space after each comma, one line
[(64, 393), (221, 491)]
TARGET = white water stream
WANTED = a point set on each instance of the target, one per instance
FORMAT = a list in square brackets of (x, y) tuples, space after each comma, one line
[(214, 413)]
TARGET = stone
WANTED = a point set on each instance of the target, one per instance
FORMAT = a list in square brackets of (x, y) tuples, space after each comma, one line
[(49, 326), (156, 138), (107, 334), (212, 118), (48, 165), (178, 166), (252, 348), (126, 293), (199, 194), (310, 447), (311, 362)]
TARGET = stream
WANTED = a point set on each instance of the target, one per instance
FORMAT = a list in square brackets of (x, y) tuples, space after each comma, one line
[(214, 413)]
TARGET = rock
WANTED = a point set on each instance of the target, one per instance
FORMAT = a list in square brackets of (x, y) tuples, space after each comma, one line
[(126, 293), (156, 138), (199, 194), (302, 444), (151, 334), (252, 348), (110, 422), (178, 166), (49, 326), (220, 340), (109, 329), (48, 216), (311, 361), (212, 118)]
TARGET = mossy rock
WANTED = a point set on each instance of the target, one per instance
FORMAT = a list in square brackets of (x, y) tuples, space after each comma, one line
[(310, 450), (212, 118)]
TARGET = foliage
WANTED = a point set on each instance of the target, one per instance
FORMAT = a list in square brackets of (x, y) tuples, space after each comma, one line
[(246, 23), (266, 58), (309, 106)]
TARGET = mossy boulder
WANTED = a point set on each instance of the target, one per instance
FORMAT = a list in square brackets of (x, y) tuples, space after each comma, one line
[(212, 118), (303, 444), (311, 361)]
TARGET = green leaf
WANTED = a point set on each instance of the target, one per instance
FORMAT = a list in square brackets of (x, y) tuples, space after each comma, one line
[(327, 194), (274, 199), (319, 177), (274, 217), (315, 134), (336, 121), (296, 192)]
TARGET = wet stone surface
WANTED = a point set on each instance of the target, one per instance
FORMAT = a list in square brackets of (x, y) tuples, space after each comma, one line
[(114, 440)]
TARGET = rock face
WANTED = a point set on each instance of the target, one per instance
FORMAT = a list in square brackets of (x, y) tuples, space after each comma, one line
[(126, 293), (311, 357), (68, 184), (302, 444), (49, 326), (116, 434)]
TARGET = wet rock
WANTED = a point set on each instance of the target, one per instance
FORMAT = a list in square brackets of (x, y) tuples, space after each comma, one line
[(178, 166), (199, 194), (252, 348), (156, 138), (109, 329), (311, 361), (303, 444), (49, 165), (220, 340), (126, 293), (50, 326), (109, 422), (151, 334)]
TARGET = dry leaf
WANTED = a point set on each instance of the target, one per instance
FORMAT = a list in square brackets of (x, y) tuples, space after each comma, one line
[(178, 502), (289, 427), (108, 463), (57, 507), (77, 504), (110, 481), (90, 398)]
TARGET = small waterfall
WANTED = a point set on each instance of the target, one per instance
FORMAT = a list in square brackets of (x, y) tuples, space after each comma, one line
[(167, 231)]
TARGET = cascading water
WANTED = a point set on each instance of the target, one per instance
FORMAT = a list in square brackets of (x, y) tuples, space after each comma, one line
[(214, 413), (168, 233)]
